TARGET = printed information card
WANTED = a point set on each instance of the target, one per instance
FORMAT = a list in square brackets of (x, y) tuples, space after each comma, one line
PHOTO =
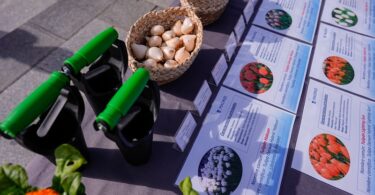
[(219, 70), (231, 45), (202, 97), (270, 67), (346, 60), (336, 139), (241, 147), (295, 18), (185, 131), (358, 16)]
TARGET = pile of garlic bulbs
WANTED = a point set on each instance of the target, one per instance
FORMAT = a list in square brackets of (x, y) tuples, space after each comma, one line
[(167, 48)]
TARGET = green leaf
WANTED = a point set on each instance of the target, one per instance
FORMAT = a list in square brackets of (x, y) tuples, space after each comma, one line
[(68, 160), (56, 184), (186, 187), (66, 180), (13, 180), (71, 183)]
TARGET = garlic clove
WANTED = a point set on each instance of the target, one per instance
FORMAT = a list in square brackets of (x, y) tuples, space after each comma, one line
[(168, 35), (189, 42), (139, 51), (157, 30), (155, 53), (154, 41), (168, 52), (187, 26), (174, 43), (181, 55), (149, 63), (170, 64), (177, 28)]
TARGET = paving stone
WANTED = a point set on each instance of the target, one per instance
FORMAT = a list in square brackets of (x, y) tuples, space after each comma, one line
[(95, 6), (162, 3), (15, 93), (22, 49), (12, 152), (55, 60), (14, 13), (64, 18), (124, 13)]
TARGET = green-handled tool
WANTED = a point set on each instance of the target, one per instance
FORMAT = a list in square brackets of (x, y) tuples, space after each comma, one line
[(46, 94), (122, 101)]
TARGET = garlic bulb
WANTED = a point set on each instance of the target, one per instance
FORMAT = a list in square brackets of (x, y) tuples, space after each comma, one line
[(168, 35), (177, 28), (170, 64), (157, 30), (168, 52), (154, 41), (187, 26), (149, 63), (181, 55), (174, 43), (189, 42), (139, 51), (155, 53)]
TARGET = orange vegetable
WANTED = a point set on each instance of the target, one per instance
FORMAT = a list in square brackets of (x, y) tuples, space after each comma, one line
[(43, 192)]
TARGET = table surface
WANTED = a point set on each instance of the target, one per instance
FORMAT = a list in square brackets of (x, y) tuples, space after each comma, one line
[(107, 171)]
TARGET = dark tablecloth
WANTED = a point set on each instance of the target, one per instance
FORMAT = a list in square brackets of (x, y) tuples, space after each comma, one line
[(107, 171)]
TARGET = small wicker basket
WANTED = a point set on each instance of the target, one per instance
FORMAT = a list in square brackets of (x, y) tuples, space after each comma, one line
[(166, 18), (208, 11)]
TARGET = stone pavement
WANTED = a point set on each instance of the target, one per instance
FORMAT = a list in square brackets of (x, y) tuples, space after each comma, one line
[(36, 36)]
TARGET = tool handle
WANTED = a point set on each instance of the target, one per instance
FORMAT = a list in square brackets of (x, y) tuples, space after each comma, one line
[(124, 98), (34, 104), (89, 52)]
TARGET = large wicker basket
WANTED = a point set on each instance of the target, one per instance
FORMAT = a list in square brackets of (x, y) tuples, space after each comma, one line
[(166, 18), (207, 10)]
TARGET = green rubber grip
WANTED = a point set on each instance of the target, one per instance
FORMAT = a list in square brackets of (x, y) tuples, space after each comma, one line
[(124, 98), (89, 52), (34, 104)]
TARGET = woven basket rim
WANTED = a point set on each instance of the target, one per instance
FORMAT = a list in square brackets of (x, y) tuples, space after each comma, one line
[(206, 9)]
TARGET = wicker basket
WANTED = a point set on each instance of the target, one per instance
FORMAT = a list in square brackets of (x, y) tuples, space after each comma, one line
[(166, 18), (208, 11)]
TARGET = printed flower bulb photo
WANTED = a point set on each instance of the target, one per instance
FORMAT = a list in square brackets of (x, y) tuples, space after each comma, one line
[(329, 157)]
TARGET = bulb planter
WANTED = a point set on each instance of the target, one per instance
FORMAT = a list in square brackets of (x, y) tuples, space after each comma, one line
[(133, 134), (103, 78), (58, 125)]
